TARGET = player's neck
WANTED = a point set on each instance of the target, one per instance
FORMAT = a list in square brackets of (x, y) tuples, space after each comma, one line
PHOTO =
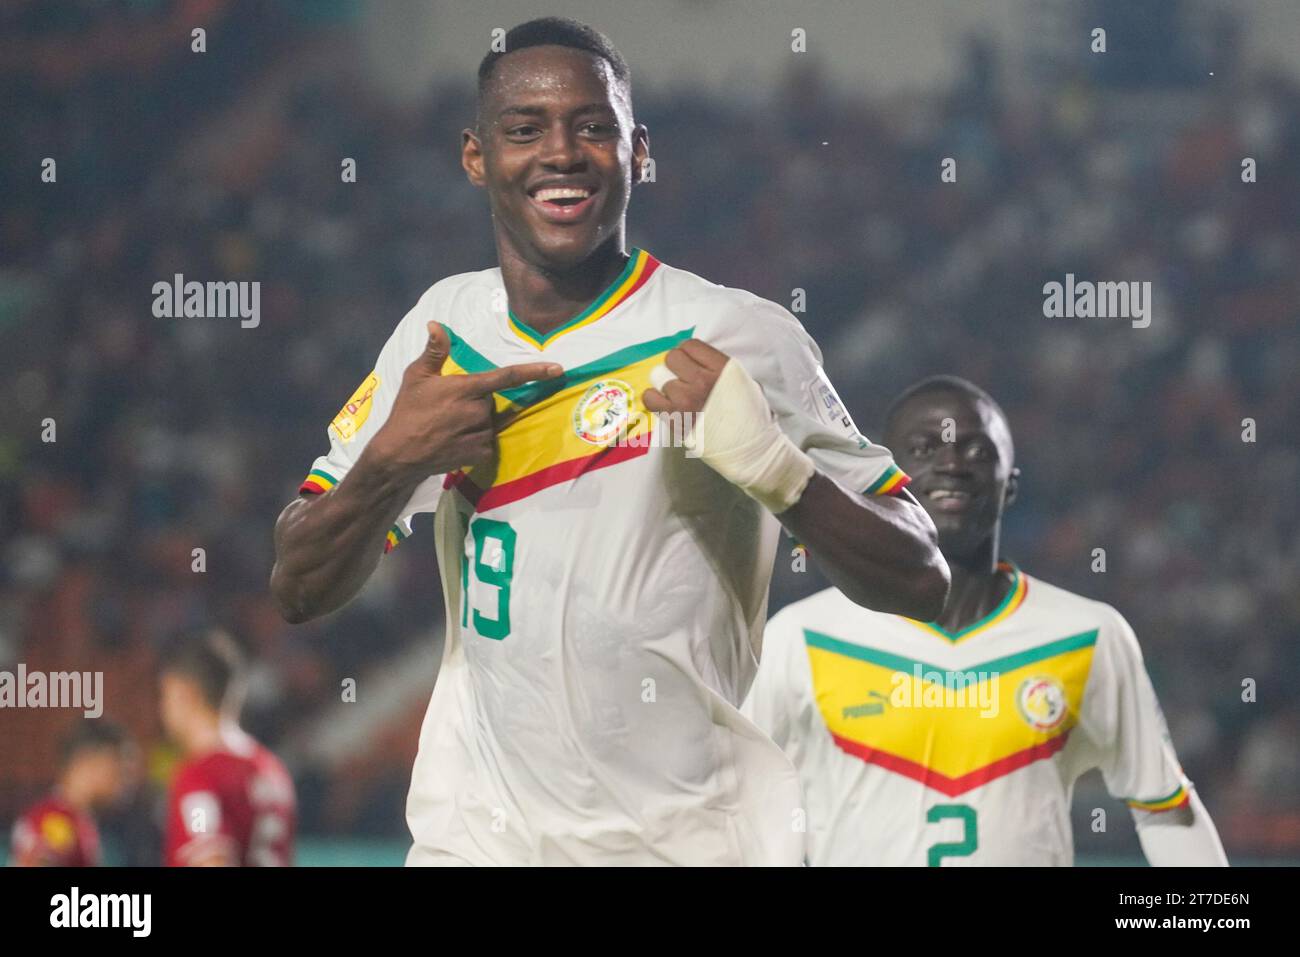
[(204, 736), (977, 587), (545, 299)]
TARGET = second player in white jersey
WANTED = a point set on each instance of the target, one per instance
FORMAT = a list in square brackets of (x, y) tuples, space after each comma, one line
[(960, 743), (921, 747)]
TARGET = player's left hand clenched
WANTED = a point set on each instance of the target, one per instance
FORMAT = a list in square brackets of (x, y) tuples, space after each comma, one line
[(733, 430), (696, 366)]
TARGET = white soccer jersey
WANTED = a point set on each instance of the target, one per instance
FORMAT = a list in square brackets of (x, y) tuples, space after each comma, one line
[(605, 595), (916, 746)]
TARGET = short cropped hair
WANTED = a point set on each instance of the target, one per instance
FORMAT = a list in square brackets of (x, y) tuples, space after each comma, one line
[(556, 31), (91, 735), (946, 383)]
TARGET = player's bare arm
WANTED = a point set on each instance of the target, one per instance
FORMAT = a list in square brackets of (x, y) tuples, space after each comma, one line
[(881, 551), (327, 545)]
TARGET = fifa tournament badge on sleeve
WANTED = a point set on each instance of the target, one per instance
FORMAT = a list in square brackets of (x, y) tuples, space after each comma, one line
[(356, 410)]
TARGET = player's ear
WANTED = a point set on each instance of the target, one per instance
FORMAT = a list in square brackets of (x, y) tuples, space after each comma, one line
[(640, 152), (471, 157), (1013, 487)]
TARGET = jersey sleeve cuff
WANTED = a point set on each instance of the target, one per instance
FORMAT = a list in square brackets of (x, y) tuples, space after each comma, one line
[(395, 538), (317, 482), (1176, 799), (892, 481)]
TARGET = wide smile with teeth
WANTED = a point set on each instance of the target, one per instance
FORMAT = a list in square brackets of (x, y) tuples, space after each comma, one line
[(562, 204), (948, 500), (553, 193)]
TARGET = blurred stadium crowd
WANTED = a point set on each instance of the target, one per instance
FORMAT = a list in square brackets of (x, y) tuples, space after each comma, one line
[(176, 434)]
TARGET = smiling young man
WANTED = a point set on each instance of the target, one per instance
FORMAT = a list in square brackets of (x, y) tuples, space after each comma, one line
[(605, 592), (957, 741)]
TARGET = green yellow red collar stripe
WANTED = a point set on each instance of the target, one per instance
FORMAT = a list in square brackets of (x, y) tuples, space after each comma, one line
[(1176, 798), (1014, 598), (640, 267)]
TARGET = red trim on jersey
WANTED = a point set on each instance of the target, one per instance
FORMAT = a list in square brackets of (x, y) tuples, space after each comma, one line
[(507, 492), (941, 782)]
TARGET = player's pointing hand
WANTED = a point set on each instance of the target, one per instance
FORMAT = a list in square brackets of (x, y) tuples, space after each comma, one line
[(440, 423)]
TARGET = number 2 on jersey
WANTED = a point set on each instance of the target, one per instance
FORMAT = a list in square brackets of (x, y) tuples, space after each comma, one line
[(969, 843), (494, 564)]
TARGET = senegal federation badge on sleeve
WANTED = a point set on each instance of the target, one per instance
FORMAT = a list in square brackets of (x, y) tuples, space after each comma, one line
[(356, 410)]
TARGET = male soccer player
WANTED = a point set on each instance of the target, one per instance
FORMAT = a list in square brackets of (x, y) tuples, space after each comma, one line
[(231, 802), (605, 594), (59, 830), (957, 741)]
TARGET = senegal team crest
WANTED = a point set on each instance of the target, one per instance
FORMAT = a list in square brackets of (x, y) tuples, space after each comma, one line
[(1042, 702), (601, 415)]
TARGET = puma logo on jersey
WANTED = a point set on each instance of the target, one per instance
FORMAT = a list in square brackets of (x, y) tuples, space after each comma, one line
[(867, 708)]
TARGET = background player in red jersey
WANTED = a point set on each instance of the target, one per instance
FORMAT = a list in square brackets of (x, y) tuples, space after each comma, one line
[(59, 830), (232, 802)]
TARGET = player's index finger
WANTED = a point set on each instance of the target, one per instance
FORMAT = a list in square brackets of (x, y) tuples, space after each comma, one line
[(510, 376)]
